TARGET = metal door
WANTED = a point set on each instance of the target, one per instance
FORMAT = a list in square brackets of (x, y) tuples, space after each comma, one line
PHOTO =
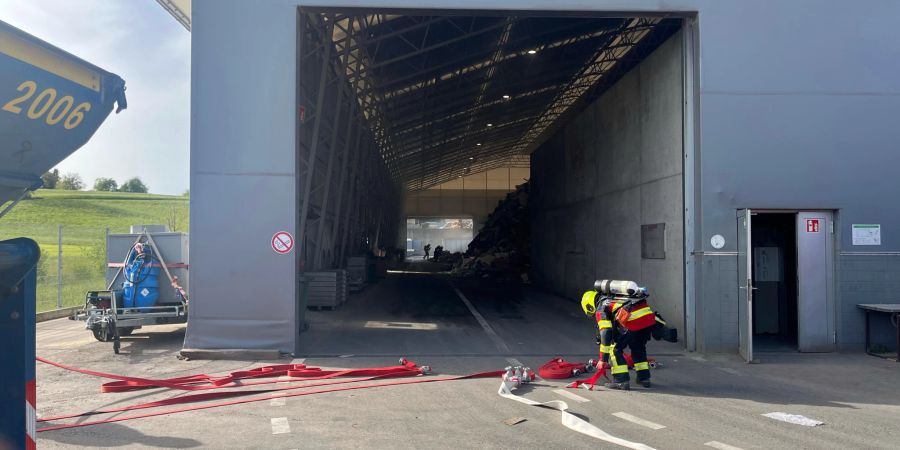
[(814, 269), (745, 284)]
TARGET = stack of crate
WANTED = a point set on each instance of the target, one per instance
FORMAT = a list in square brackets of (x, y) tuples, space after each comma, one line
[(326, 289), (357, 272)]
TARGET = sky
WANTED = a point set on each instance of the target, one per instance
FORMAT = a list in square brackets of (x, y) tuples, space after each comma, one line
[(139, 41)]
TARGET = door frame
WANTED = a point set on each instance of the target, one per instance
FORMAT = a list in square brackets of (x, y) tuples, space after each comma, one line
[(831, 253)]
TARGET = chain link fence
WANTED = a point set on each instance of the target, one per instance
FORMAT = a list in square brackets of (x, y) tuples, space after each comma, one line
[(73, 261)]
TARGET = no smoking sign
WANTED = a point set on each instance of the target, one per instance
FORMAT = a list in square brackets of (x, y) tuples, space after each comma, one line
[(282, 242)]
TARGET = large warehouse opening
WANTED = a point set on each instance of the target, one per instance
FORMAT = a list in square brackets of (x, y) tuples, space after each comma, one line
[(561, 138)]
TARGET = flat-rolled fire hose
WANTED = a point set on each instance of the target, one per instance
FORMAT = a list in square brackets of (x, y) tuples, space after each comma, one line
[(570, 420), (407, 368)]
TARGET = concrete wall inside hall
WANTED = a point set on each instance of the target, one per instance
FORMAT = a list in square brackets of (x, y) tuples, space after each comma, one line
[(616, 166)]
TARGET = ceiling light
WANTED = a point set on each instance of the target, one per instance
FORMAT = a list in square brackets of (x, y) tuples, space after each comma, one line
[(478, 144), (531, 52), (505, 97), (471, 157), (490, 124)]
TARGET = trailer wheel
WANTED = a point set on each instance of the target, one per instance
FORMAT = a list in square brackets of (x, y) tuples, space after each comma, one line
[(102, 334)]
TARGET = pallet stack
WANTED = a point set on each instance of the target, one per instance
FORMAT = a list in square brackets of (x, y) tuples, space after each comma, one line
[(357, 272), (326, 289)]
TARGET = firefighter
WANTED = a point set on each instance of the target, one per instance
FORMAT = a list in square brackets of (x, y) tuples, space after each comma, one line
[(624, 319)]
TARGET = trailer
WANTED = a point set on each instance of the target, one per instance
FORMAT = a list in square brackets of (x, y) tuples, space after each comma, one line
[(109, 315)]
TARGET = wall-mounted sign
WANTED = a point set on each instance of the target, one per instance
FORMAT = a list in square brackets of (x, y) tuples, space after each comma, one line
[(282, 242), (812, 225), (717, 241), (866, 234)]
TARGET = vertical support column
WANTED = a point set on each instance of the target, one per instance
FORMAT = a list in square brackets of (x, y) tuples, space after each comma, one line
[(342, 94), (306, 191), (691, 177)]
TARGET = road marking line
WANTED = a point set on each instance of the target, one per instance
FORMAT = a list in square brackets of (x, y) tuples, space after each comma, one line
[(279, 401), (721, 446), (639, 421), (298, 361), (729, 370), (498, 342), (795, 419), (570, 395), (697, 358), (280, 425)]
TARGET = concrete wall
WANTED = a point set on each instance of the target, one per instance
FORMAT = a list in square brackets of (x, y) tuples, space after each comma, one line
[(615, 167)]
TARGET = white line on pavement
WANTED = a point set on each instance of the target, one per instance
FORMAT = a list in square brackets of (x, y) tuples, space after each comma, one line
[(280, 425), (570, 395), (729, 370), (721, 446), (639, 421), (298, 361), (498, 342), (278, 401), (795, 419)]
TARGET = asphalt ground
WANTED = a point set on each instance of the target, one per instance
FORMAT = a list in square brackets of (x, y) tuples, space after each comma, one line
[(697, 401)]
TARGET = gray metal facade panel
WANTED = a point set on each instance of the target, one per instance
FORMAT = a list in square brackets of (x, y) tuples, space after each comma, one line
[(242, 175), (802, 152)]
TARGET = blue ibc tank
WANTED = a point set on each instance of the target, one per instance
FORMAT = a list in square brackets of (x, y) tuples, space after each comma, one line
[(141, 286)]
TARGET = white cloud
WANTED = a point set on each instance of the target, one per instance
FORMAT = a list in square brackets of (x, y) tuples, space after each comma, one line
[(140, 42)]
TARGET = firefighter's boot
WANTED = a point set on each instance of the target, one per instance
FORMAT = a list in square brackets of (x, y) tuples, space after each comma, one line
[(618, 385)]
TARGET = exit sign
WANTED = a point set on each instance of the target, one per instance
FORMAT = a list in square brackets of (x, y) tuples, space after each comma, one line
[(812, 225)]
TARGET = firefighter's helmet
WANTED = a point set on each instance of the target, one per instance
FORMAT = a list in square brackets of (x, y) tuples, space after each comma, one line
[(588, 303)]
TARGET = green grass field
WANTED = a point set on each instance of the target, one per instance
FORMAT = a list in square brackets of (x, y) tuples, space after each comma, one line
[(84, 217)]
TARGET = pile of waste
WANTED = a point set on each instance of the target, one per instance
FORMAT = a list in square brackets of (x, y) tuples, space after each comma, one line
[(502, 249)]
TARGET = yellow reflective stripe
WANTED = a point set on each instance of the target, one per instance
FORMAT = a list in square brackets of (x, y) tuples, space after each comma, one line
[(640, 313), (616, 306), (616, 367), (50, 61), (660, 320), (605, 348), (642, 366), (603, 324)]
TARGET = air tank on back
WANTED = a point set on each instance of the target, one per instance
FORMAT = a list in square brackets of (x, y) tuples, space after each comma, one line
[(621, 288)]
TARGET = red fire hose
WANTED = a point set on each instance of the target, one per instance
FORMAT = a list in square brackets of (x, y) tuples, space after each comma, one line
[(293, 372)]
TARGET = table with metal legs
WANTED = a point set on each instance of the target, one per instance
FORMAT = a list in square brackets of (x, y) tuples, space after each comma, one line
[(890, 308)]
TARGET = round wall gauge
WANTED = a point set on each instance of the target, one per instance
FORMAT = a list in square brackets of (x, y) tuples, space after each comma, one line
[(717, 241)]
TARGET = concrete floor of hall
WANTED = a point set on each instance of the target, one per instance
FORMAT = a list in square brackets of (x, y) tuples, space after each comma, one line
[(699, 399)]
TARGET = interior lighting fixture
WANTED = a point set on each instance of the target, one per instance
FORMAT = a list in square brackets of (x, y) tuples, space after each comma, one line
[(478, 144), (531, 52), (505, 97), (490, 124)]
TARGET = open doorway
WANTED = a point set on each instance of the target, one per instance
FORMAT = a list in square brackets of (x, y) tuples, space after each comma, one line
[(774, 254), (788, 259), (439, 234)]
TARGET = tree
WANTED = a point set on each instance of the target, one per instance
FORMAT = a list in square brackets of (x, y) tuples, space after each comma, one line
[(71, 182), (134, 185), (106, 185), (51, 179)]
